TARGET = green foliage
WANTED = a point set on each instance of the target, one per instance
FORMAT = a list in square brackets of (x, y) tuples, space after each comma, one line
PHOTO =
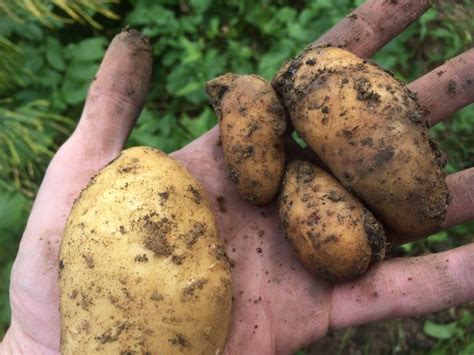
[(455, 139), (10, 69), (194, 42), (441, 331), (447, 332), (47, 60), (26, 142), (14, 208), (454, 337), (41, 79)]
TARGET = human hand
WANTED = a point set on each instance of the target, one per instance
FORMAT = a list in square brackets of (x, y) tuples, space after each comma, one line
[(278, 305)]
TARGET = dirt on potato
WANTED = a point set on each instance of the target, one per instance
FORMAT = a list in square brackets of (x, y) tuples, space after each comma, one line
[(252, 123), (370, 131), (142, 267), (332, 233)]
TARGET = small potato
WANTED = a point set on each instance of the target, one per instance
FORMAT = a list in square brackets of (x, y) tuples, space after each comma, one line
[(142, 268), (332, 233), (369, 129), (252, 124)]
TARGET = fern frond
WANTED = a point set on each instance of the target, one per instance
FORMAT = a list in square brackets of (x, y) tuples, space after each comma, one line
[(11, 69), (46, 12), (27, 141)]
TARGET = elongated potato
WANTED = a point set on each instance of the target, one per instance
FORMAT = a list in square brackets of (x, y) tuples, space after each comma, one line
[(142, 268), (369, 130), (252, 123), (332, 233)]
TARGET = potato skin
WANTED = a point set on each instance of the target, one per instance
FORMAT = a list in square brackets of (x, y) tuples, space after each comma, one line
[(142, 268), (332, 233), (369, 129), (252, 123)]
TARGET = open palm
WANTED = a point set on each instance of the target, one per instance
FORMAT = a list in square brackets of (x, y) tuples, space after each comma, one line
[(278, 305)]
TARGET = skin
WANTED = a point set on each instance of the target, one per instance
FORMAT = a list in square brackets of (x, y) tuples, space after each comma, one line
[(294, 308), (252, 123), (142, 267), (371, 133), (332, 233)]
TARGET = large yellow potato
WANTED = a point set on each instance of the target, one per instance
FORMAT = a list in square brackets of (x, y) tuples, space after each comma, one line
[(142, 268), (332, 233), (369, 129), (252, 124)]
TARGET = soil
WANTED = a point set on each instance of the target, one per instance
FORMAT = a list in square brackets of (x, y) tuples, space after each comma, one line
[(365, 93), (375, 235), (384, 156), (89, 260), (221, 203), (196, 194), (156, 296), (193, 235), (193, 286), (452, 88), (179, 340), (142, 258), (156, 235)]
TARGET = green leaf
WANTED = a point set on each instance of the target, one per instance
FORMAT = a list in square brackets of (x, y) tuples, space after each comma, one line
[(468, 349), (296, 31), (438, 237), (178, 78), (201, 124), (32, 59), (440, 331), (7, 25), (298, 139), (286, 15), (73, 92), (466, 318), (5, 310), (51, 78), (87, 50), (200, 6), (214, 64), (192, 50), (54, 53), (30, 31), (189, 88), (407, 247), (159, 19), (213, 28), (274, 58), (12, 212), (82, 72)]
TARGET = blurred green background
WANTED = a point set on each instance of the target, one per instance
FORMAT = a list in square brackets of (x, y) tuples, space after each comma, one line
[(50, 50)]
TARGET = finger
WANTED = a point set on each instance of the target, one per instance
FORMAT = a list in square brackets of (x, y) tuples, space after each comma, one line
[(406, 287), (461, 188), (114, 101), (113, 104), (373, 24), (117, 93), (448, 88)]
